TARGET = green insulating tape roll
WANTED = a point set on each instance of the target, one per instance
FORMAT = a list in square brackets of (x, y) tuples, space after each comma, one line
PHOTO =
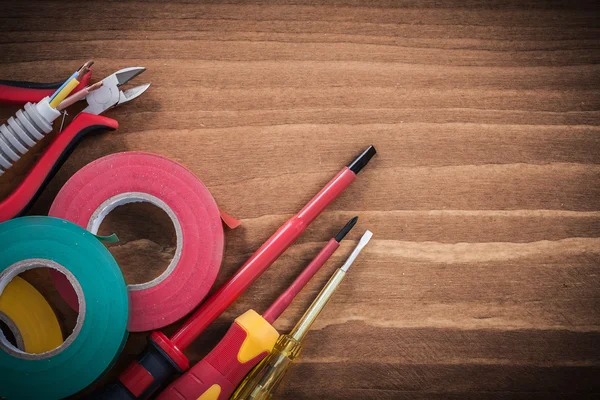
[(100, 332)]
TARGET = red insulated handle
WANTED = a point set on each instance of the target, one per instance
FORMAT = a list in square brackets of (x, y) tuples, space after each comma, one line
[(47, 165), (247, 342), (15, 92)]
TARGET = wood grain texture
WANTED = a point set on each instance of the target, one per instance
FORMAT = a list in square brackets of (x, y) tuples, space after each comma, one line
[(482, 280)]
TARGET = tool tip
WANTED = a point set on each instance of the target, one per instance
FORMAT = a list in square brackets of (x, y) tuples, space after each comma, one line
[(365, 238), (361, 244), (347, 228), (363, 159), (134, 92), (126, 74)]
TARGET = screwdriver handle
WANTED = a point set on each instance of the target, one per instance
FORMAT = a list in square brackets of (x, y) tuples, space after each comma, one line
[(148, 373), (249, 339)]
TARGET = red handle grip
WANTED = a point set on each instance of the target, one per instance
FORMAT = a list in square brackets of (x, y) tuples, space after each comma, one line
[(49, 162), (247, 342)]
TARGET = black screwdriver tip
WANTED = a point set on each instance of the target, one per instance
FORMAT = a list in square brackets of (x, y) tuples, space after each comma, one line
[(363, 159), (347, 228)]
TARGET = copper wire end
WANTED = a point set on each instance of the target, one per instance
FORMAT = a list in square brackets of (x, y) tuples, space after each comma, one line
[(84, 69), (95, 86)]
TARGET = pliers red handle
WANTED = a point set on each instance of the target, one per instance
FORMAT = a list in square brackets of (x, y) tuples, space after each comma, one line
[(20, 92), (87, 121), (23, 197)]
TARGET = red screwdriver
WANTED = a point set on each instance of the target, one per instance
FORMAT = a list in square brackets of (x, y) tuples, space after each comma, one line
[(250, 339), (164, 355)]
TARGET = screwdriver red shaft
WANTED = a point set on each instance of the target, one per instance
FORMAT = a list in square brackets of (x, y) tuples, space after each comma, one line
[(284, 300)]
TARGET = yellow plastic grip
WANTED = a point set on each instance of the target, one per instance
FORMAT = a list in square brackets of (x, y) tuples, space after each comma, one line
[(212, 393), (261, 336), (30, 313)]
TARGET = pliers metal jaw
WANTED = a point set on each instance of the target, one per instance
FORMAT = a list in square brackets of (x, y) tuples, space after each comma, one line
[(110, 94)]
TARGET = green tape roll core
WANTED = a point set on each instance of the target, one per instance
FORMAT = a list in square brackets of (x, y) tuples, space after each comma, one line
[(100, 333)]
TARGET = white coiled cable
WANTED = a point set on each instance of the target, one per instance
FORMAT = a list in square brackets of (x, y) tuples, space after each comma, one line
[(21, 132)]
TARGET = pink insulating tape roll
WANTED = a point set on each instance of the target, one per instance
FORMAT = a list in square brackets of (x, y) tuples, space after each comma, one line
[(128, 177)]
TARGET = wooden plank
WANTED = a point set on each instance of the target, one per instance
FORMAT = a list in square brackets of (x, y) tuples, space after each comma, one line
[(482, 277)]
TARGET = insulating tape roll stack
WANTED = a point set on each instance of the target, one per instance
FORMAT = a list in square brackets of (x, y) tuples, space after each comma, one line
[(29, 317), (100, 331), (128, 177)]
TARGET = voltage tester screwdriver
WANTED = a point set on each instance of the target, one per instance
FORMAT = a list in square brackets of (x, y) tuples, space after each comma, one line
[(249, 340), (164, 355), (262, 382)]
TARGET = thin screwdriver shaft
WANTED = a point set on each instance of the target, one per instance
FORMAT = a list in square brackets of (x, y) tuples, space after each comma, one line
[(309, 317), (284, 300)]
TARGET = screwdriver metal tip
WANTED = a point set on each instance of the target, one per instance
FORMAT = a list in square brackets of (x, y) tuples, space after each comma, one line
[(361, 244)]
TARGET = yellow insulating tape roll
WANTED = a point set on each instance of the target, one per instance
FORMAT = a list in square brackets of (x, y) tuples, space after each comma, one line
[(32, 316)]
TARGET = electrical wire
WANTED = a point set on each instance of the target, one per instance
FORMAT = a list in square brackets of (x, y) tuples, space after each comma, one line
[(73, 76), (84, 69), (60, 96), (74, 98), (63, 91)]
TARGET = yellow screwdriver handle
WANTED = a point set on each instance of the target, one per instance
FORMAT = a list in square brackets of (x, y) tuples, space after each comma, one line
[(249, 339), (262, 381)]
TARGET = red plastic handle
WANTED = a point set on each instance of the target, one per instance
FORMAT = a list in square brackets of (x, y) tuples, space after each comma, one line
[(202, 380), (216, 376), (13, 92), (47, 165)]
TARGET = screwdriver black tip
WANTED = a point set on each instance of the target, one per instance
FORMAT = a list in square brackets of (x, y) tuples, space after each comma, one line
[(363, 159), (341, 234)]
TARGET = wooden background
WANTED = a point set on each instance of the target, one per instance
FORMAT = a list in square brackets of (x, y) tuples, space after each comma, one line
[(482, 280)]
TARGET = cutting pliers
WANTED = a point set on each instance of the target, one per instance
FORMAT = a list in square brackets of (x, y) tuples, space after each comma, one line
[(87, 121)]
